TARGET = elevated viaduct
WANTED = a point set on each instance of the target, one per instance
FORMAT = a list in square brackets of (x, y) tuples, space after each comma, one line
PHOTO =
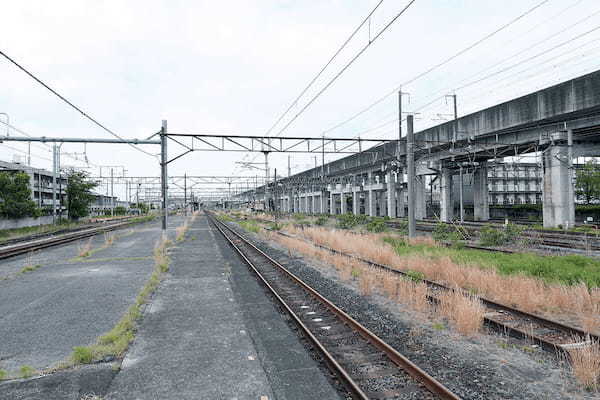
[(561, 122)]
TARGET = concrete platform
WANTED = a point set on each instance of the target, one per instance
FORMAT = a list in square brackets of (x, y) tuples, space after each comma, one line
[(212, 333), (66, 302), (193, 342)]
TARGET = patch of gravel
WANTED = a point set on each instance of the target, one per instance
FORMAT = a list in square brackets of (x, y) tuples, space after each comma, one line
[(483, 367)]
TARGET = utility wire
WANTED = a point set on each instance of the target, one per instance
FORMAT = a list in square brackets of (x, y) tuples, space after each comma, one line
[(339, 50), (336, 76), (435, 67), (70, 103)]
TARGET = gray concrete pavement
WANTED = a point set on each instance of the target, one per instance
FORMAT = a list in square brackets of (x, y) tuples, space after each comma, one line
[(192, 342), (67, 303)]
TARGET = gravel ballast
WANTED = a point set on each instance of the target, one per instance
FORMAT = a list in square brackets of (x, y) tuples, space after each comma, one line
[(487, 366)]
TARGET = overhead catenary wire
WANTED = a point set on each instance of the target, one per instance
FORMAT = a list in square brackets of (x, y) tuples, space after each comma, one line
[(436, 66), (346, 66), (64, 99), (314, 79)]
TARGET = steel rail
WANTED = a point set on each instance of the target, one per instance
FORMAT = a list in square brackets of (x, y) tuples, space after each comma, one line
[(489, 321), (398, 359), (38, 244)]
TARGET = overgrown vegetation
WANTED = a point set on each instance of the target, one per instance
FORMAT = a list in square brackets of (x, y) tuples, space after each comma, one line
[(448, 233), (84, 248), (376, 225), (322, 220), (15, 196), (349, 221), (26, 371), (491, 236), (250, 226), (117, 340)]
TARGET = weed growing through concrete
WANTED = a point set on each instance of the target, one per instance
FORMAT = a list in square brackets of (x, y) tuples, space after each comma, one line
[(585, 364), (109, 238), (26, 371), (82, 355), (3, 374), (117, 340), (84, 249), (29, 266)]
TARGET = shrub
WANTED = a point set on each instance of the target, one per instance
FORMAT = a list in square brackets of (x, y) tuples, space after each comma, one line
[(446, 232), (322, 220), (376, 225), (490, 236), (120, 210), (349, 221), (82, 355)]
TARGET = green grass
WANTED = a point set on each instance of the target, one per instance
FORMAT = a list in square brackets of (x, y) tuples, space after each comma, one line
[(570, 269), (225, 218), (26, 371), (29, 268), (116, 341), (438, 326), (3, 374), (250, 226)]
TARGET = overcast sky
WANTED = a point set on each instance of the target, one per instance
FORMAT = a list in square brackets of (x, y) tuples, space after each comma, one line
[(235, 66)]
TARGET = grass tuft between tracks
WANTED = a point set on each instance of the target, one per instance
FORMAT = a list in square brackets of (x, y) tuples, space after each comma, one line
[(585, 364)]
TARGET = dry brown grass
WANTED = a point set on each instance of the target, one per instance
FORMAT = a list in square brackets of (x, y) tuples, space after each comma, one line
[(585, 364), (109, 238), (84, 248), (465, 312), (526, 293), (181, 230)]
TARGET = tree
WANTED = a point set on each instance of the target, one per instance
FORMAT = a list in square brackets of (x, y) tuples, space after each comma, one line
[(587, 182), (79, 194), (15, 196)]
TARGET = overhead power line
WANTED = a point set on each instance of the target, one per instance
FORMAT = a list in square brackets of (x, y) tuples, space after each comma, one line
[(336, 76), (64, 99), (439, 65), (339, 50)]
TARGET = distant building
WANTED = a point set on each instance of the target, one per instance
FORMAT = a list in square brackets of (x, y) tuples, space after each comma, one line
[(40, 183), (514, 183)]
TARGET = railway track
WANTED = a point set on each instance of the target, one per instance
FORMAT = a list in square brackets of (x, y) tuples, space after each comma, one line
[(21, 247), (36, 236), (368, 367), (564, 240), (550, 335)]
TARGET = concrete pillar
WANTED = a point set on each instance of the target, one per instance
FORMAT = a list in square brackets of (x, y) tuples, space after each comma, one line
[(400, 212), (481, 207), (332, 203), (420, 205), (355, 203), (313, 204), (558, 196), (382, 204), (391, 195), (371, 203), (343, 203), (446, 200), (323, 197)]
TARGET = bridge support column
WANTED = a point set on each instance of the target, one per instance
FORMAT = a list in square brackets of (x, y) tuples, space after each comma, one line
[(391, 195), (420, 205), (400, 212), (446, 200), (371, 203), (343, 203), (558, 196), (382, 203), (313, 205), (332, 207), (481, 207), (324, 209), (355, 203)]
